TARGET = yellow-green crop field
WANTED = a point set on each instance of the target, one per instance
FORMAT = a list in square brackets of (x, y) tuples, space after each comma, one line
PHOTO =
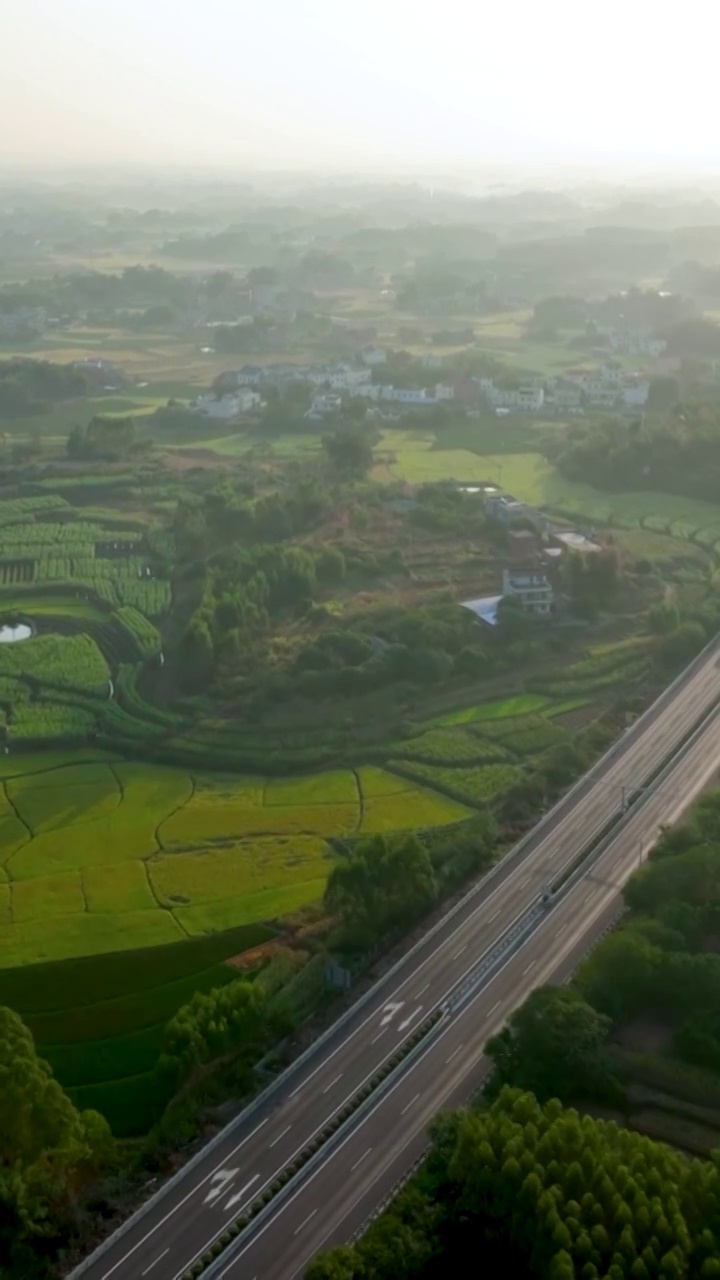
[(100, 855)]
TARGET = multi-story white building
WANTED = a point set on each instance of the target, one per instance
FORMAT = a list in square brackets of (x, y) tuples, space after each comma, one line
[(407, 395), (341, 377), (251, 375), (444, 391), (633, 339), (531, 588), (635, 392), (227, 406), (610, 387), (562, 394), (526, 398)]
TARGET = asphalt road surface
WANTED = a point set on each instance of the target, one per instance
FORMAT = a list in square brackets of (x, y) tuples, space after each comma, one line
[(357, 1175), (216, 1187)]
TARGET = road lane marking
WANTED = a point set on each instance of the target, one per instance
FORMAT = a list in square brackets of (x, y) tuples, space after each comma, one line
[(390, 1009), (230, 1204), (184, 1200), (304, 1224), (452, 1055), (332, 1082), (379, 1034), (529, 966), (542, 844), (380, 1102), (494, 915), (354, 1166), (422, 989), (459, 953), (281, 1135), (562, 929), (220, 1182), (406, 1023), (409, 1104), (158, 1259)]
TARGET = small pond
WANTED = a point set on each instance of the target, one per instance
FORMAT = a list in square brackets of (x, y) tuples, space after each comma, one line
[(14, 631)]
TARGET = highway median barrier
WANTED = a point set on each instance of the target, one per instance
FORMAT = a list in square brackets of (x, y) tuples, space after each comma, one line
[(525, 923), (312, 1148)]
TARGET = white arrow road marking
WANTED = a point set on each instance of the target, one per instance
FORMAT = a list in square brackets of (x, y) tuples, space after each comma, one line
[(219, 1182), (411, 1018), (239, 1194), (390, 1010)]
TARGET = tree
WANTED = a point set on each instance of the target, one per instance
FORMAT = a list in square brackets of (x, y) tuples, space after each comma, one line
[(384, 885), (621, 975), (514, 620), (663, 617), (330, 566), (262, 275), (553, 1044), (544, 1192), (103, 438), (197, 652), (350, 452), (48, 1149), (682, 644), (340, 1264)]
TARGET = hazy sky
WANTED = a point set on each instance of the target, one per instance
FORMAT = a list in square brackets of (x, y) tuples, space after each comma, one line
[(287, 82)]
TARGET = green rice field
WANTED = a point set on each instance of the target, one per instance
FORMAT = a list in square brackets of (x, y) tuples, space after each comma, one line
[(101, 855)]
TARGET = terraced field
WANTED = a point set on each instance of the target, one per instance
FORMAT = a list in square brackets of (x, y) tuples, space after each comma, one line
[(119, 855)]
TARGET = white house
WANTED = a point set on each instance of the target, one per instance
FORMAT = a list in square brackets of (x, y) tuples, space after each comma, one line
[(373, 355), (407, 395), (444, 391), (634, 339), (227, 406), (341, 377), (531, 588), (323, 404), (528, 398), (563, 395), (251, 375), (635, 393)]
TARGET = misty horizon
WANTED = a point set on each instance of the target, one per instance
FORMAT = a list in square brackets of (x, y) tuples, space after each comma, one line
[(300, 85)]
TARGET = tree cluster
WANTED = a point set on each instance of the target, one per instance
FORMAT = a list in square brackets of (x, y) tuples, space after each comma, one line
[(103, 439), (79, 292), (49, 1154), (30, 387), (677, 453), (384, 885), (536, 1190), (663, 961), (592, 580)]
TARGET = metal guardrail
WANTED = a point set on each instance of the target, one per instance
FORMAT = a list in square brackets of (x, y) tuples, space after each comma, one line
[(219, 1264), (500, 869), (522, 927)]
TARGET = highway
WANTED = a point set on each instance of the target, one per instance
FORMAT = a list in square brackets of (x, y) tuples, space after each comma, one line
[(195, 1208), (337, 1199)]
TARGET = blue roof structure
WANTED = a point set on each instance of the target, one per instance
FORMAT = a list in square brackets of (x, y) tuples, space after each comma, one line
[(486, 608)]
